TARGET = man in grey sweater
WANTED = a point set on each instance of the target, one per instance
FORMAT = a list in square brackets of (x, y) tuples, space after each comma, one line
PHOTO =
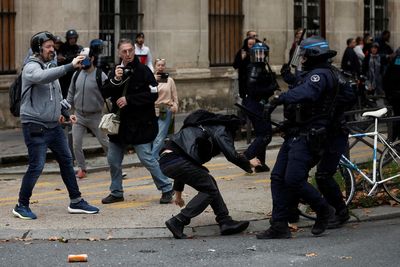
[(41, 118), (85, 97)]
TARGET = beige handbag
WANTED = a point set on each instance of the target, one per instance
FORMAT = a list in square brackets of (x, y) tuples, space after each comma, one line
[(110, 122)]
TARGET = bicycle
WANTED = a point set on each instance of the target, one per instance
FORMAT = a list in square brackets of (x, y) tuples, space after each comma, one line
[(387, 175)]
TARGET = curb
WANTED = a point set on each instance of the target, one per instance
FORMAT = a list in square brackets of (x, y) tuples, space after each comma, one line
[(357, 215)]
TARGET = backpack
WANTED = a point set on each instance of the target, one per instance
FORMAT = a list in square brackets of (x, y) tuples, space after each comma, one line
[(15, 97), (98, 77), (346, 96), (14, 94)]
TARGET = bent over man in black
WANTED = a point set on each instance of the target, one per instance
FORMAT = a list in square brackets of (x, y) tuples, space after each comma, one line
[(203, 135)]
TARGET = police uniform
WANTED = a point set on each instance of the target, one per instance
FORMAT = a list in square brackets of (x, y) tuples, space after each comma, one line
[(308, 107), (260, 87)]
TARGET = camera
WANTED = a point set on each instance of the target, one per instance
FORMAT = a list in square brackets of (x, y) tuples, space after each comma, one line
[(163, 77), (127, 70)]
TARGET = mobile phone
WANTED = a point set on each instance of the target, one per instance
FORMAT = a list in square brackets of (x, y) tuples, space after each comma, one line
[(86, 62), (164, 77)]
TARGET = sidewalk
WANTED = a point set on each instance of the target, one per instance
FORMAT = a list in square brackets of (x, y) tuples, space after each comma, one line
[(247, 196)]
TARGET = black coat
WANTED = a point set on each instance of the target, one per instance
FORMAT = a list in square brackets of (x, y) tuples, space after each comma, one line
[(241, 65), (201, 143), (139, 124), (350, 62)]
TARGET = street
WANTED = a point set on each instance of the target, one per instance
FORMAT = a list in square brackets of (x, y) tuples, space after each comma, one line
[(357, 244)]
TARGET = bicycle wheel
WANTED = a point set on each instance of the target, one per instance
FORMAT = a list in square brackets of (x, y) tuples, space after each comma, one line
[(389, 168), (345, 179)]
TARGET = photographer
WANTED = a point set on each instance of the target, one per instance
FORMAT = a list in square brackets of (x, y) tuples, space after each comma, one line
[(138, 121), (166, 104)]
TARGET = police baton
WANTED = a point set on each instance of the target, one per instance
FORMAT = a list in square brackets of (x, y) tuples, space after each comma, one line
[(251, 113)]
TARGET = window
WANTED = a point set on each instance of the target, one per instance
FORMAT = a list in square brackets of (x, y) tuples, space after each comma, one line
[(118, 19), (310, 15), (375, 16), (7, 37), (225, 30)]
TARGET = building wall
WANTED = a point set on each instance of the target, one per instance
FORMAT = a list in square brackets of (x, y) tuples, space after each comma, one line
[(177, 30)]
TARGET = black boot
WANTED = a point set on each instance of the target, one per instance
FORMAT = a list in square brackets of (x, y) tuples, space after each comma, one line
[(277, 230), (339, 219), (232, 227), (176, 227), (323, 217)]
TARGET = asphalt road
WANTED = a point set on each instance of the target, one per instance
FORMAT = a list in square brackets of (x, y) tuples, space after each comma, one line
[(362, 244)]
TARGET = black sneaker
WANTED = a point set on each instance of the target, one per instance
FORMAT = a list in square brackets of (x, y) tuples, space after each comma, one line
[(166, 197), (277, 230), (111, 199), (232, 227), (339, 219), (262, 168), (323, 217), (176, 227)]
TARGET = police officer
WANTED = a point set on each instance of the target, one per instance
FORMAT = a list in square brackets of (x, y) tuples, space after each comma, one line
[(69, 50), (260, 86), (308, 110)]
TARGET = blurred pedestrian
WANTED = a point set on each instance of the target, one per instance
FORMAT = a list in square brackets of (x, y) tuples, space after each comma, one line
[(358, 49), (166, 104), (85, 97), (350, 62), (143, 52), (68, 51), (41, 114), (242, 60), (391, 85), (373, 69)]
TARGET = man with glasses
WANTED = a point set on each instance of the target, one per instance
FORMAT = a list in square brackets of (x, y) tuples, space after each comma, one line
[(138, 121)]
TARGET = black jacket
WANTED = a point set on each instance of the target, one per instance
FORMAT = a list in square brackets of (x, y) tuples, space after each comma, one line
[(201, 143), (139, 124), (350, 62), (241, 65)]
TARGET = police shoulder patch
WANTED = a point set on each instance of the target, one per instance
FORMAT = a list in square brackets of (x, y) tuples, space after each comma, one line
[(315, 78)]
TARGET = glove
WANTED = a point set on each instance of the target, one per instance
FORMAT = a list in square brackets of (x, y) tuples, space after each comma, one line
[(275, 101), (285, 68)]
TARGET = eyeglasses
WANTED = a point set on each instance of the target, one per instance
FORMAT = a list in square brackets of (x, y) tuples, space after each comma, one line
[(159, 59)]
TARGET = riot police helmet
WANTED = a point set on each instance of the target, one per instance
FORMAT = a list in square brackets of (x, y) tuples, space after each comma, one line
[(38, 39), (71, 34), (96, 47), (316, 47), (259, 53)]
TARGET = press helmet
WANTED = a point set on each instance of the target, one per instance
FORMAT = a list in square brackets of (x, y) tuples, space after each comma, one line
[(71, 34), (259, 53), (38, 39)]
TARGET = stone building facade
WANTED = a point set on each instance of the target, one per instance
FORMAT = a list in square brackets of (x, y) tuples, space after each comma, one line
[(187, 33)]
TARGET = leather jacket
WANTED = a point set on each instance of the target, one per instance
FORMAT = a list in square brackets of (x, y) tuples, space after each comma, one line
[(201, 143)]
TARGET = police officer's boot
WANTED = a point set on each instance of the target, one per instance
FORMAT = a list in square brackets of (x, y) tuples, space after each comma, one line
[(277, 230), (232, 227), (323, 217), (340, 218)]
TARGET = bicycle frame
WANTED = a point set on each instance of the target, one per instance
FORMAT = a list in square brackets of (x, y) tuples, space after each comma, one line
[(376, 135)]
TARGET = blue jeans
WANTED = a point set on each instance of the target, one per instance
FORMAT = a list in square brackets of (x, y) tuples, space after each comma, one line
[(163, 126), (115, 157), (38, 139)]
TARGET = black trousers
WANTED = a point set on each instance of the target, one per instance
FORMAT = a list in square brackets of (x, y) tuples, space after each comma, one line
[(183, 171)]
